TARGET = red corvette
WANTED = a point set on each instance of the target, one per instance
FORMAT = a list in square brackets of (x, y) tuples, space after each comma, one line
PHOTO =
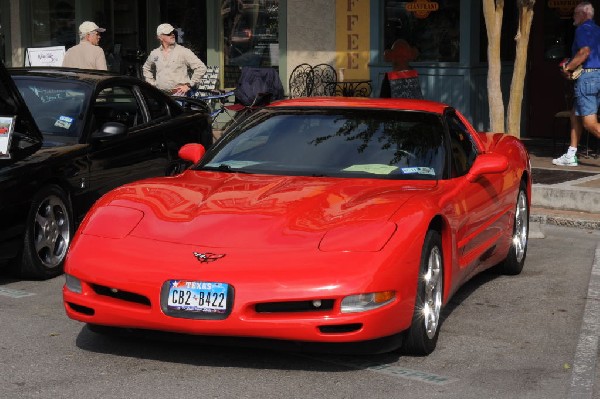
[(344, 222)]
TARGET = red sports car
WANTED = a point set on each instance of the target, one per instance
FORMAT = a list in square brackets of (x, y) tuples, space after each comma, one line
[(337, 221)]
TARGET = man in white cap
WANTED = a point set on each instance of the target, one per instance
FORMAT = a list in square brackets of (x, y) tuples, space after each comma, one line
[(87, 54), (168, 66)]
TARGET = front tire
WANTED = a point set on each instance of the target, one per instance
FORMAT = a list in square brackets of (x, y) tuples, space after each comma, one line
[(48, 234), (422, 336), (513, 264)]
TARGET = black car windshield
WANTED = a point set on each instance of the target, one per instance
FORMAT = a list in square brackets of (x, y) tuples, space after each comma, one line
[(370, 143), (57, 107)]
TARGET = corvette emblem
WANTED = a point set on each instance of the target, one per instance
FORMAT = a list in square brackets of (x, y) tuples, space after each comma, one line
[(207, 257)]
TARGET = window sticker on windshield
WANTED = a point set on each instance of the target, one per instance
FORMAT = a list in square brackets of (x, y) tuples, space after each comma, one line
[(374, 168), (64, 121), (7, 124), (420, 170)]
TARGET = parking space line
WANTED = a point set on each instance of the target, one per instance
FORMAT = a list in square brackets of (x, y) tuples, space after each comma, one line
[(14, 293), (584, 363)]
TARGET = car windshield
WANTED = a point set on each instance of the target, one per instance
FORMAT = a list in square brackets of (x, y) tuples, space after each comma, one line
[(334, 142), (57, 107)]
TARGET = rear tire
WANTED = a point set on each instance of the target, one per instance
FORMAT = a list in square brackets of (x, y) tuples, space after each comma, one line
[(513, 264), (422, 336), (48, 234)]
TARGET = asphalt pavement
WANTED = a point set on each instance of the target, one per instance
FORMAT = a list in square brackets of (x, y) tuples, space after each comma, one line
[(570, 196)]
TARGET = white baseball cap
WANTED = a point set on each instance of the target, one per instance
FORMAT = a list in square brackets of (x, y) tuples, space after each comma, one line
[(164, 29), (89, 27)]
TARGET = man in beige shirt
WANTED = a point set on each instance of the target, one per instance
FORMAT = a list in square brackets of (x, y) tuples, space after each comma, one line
[(171, 62), (87, 54)]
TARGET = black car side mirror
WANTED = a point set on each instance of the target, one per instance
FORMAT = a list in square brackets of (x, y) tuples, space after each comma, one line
[(109, 131)]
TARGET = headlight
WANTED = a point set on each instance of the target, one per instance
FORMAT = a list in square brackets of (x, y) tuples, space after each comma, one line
[(73, 284), (364, 302), (369, 236), (112, 221)]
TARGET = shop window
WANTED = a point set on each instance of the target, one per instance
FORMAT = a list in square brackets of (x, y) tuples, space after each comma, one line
[(53, 23), (430, 26), (509, 29), (250, 34), (559, 31), (188, 17)]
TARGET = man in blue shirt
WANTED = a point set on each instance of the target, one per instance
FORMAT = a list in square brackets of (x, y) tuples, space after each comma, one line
[(586, 53)]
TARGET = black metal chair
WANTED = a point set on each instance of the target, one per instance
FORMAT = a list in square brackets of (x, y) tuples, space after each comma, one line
[(301, 81), (324, 80)]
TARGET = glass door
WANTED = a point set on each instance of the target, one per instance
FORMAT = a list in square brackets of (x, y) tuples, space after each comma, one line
[(251, 35)]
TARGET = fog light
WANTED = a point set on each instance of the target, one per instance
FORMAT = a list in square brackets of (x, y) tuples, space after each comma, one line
[(73, 284), (364, 302)]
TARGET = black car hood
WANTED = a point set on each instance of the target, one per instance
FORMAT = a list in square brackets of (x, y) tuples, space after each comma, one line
[(26, 138)]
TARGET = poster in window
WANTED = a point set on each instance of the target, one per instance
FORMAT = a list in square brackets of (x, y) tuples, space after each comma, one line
[(7, 124)]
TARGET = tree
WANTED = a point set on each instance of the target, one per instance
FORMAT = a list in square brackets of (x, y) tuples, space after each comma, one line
[(493, 11)]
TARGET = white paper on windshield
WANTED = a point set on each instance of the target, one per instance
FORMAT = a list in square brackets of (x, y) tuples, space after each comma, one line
[(374, 168), (7, 125)]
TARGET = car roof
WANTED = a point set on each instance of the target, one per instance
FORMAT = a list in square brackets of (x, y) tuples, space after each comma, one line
[(363, 102), (89, 76)]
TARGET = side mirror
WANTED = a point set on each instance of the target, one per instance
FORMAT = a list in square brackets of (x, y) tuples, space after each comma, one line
[(192, 152), (486, 164), (110, 130)]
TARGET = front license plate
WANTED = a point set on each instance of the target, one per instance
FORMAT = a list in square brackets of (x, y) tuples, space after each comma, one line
[(197, 296)]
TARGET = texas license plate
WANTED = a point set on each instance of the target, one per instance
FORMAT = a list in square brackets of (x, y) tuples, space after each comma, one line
[(197, 296)]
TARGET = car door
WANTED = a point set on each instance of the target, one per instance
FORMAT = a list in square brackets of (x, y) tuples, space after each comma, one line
[(138, 150), (480, 203), (19, 139)]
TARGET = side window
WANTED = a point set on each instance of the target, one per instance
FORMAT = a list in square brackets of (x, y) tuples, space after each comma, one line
[(463, 149), (117, 104), (157, 107)]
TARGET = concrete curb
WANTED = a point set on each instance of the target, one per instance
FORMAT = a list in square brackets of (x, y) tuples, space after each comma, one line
[(565, 197), (565, 221)]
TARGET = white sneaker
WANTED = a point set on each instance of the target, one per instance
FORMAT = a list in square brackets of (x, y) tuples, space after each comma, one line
[(566, 160)]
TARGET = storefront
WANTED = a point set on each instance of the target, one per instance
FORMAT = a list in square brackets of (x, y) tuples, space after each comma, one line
[(352, 35)]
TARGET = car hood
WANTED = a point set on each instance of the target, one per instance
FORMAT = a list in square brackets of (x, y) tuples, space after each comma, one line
[(254, 211), (26, 138)]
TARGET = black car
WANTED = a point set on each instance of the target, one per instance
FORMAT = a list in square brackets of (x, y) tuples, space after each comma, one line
[(76, 135)]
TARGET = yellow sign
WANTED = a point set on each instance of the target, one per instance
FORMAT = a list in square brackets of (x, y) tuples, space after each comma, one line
[(352, 38), (422, 8)]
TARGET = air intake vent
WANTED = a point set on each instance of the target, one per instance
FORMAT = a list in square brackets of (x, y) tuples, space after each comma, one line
[(317, 305), (340, 328), (122, 295), (81, 309)]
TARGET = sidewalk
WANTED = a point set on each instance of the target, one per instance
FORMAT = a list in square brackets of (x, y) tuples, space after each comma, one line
[(567, 196)]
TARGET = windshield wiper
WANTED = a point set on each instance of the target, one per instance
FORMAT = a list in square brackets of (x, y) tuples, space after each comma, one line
[(224, 168)]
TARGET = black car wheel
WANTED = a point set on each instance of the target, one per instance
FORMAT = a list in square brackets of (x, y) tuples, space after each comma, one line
[(513, 264), (48, 234), (422, 336)]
